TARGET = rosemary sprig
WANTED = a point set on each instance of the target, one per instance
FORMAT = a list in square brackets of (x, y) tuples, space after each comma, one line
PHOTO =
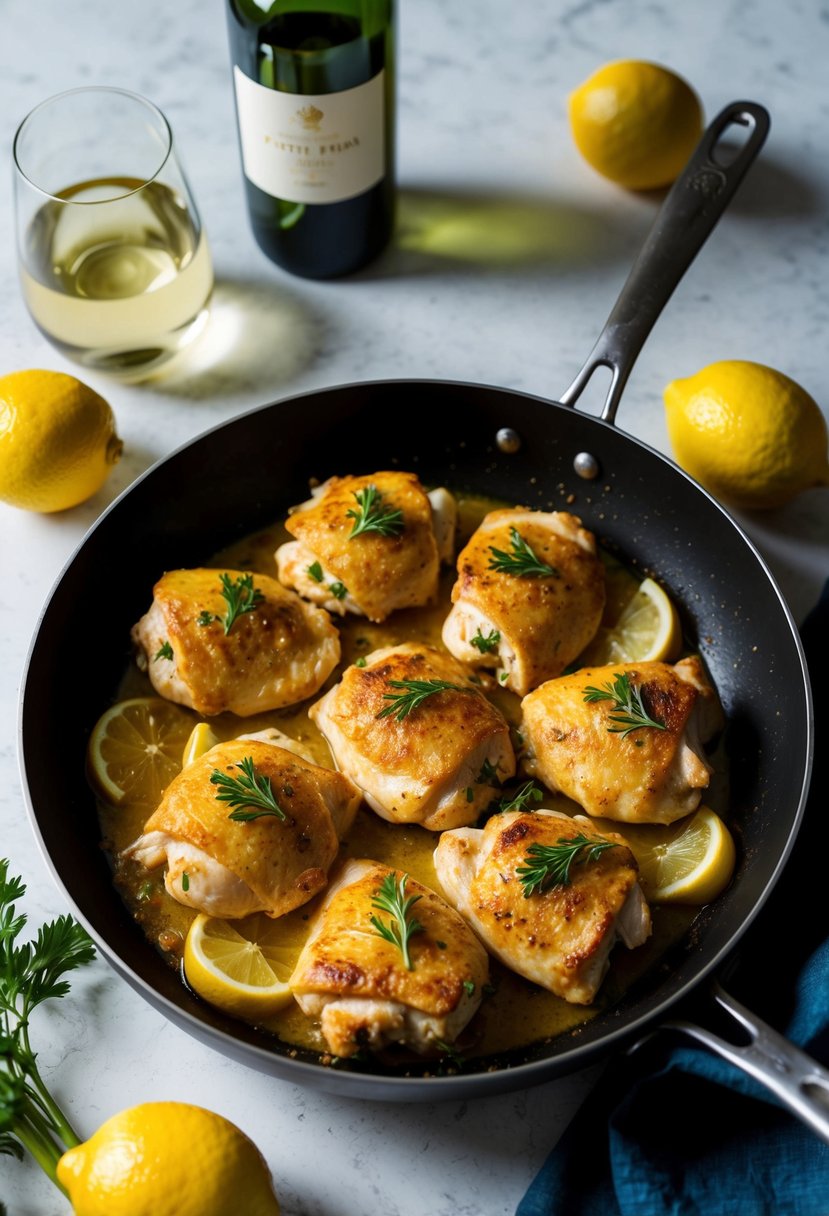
[(252, 789), (416, 692), (521, 799), (392, 898), (165, 651), (548, 865), (372, 516), (240, 596), (522, 562), (486, 645), (629, 712)]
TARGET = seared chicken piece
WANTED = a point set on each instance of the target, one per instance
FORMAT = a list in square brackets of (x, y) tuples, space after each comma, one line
[(373, 572), (275, 653), (232, 867), (355, 982), (528, 626), (441, 764), (649, 775), (561, 935)]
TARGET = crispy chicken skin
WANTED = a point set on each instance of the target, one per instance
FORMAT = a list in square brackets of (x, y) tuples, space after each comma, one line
[(278, 654), (559, 937), (263, 865), (541, 623), (440, 766), (648, 776), (374, 574), (356, 984)]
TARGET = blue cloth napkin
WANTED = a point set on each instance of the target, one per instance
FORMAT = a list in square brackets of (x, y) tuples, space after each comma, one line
[(671, 1130)]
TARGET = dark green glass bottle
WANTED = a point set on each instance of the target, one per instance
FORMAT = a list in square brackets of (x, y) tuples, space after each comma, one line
[(314, 88)]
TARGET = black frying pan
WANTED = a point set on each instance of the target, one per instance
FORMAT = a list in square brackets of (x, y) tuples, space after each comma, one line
[(244, 474)]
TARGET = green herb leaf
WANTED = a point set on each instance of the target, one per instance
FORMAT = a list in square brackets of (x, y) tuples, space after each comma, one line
[(252, 789), (205, 618), (185, 881), (547, 865), (240, 596), (521, 799), (488, 774), (522, 562), (486, 645), (470, 794), (315, 570), (469, 986), (165, 651), (391, 898), (372, 516), (416, 692), (629, 712), (338, 590), (503, 676), (361, 661)]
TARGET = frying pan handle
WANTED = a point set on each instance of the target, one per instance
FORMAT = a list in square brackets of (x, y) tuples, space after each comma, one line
[(798, 1081), (684, 221)]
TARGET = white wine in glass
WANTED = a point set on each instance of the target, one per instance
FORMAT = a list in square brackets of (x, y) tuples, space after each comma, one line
[(114, 268)]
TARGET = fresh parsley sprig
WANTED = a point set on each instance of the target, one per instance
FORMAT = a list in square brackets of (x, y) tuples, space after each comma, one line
[(371, 516), (522, 562), (548, 865), (416, 692), (31, 973), (243, 793), (629, 712), (392, 898), (241, 597)]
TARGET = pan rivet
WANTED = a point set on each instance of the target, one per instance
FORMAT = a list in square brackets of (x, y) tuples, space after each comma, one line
[(508, 440), (586, 466)]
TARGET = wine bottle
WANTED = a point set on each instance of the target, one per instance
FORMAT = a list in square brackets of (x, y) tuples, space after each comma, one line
[(314, 87)]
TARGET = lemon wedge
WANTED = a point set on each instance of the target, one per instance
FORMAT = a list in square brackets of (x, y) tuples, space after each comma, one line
[(242, 967), (202, 738), (135, 749), (690, 862), (647, 629)]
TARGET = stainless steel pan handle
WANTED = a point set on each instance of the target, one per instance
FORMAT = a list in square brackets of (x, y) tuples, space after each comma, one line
[(798, 1081), (695, 202)]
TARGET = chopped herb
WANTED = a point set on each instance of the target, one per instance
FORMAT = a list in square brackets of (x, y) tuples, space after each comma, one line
[(521, 799), (392, 898), (165, 651), (252, 789), (338, 590), (372, 516), (469, 987), (522, 562), (288, 791), (488, 774), (487, 644), (145, 892), (547, 865), (240, 596), (470, 794), (450, 1054), (205, 618), (185, 881), (503, 676), (416, 691), (629, 712), (361, 661), (441, 945), (315, 570)]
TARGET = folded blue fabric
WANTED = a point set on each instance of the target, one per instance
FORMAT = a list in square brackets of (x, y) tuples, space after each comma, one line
[(675, 1131)]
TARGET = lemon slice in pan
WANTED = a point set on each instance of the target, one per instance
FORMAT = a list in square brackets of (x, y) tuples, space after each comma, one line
[(690, 862), (647, 629), (241, 966), (135, 749)]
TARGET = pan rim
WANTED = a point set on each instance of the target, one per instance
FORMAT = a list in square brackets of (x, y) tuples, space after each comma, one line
[(376, 1085)]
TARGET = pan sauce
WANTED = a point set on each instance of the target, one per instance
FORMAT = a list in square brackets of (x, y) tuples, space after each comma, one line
[(517, 1013)]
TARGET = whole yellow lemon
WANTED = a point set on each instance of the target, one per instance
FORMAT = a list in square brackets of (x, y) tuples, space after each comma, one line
[(168, 1159), (636, 123), (58, 442), (748, 433)]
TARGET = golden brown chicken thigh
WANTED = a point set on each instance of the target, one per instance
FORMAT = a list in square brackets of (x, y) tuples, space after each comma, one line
[(356, 983), (274, 651), (440, 763), (368, 545), (560, 935), (229, 859), (578, 743), (529, 596)]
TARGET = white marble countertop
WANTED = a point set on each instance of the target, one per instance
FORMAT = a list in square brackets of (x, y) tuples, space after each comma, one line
[(509, 255)]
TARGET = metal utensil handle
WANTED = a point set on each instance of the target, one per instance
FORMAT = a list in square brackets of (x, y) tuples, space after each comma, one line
[(796, 1079), (695, 202)]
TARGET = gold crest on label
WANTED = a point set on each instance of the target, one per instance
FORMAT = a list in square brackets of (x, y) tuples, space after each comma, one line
[(310, 117)]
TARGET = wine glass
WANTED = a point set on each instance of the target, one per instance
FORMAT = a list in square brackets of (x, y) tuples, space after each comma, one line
[(114, 264)]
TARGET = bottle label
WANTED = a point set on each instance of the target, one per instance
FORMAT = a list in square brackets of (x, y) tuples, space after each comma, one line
[(311, 149)]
